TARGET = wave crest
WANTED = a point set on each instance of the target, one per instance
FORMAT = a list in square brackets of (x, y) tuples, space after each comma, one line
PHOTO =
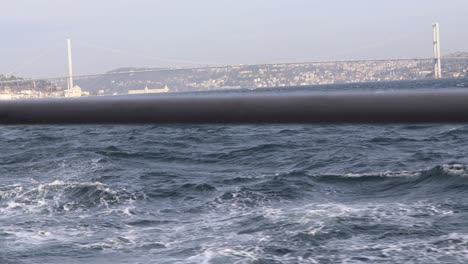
[(59, 196)]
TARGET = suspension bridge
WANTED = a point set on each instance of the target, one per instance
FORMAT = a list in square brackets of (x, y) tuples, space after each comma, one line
[(436, 59)]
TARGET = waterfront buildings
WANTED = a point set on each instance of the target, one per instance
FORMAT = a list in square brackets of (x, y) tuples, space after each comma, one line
[(149, 91)]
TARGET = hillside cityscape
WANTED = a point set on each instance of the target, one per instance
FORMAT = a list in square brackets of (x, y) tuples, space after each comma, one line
[(150, 81)]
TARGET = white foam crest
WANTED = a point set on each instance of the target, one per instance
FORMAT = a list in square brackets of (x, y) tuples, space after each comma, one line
[(22, 237), (317, 217), (35, 237), (453, 248), (455, 169), (384, 174), (57, 195), (329, 210), (428, 250), (10, 192), (240, 255), (240, 200), (126, 210), (226, 254), (127, 239), (114, 243)]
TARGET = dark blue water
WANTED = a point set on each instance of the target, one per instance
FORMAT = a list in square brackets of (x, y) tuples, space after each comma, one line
[(234, 194)]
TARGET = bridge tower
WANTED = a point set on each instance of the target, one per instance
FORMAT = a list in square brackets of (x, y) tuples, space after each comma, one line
[(436, 43), (70, 67)]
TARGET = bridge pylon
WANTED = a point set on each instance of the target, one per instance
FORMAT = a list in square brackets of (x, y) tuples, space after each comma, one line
[(70, 66), (437, 56)]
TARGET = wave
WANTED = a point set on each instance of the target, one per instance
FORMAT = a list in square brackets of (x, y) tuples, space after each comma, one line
[(59, 196), (442, 181), (246, 154)]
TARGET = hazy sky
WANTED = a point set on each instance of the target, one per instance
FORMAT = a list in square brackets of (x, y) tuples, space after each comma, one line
[(108, 34)]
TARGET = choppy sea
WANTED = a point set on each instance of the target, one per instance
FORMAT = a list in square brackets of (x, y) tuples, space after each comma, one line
[(236, 194)]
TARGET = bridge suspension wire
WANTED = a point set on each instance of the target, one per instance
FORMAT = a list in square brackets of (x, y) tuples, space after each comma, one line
[(138, 55), (33, 60), (385, 42)]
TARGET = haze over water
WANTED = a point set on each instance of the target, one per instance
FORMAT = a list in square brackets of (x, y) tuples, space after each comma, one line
[(236, 194)]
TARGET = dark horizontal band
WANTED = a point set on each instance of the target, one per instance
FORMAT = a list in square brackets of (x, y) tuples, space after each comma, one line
[(440, 106)]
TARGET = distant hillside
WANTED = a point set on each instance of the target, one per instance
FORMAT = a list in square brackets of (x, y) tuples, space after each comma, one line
[(133, 69), (459, 54), (9, 78)]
